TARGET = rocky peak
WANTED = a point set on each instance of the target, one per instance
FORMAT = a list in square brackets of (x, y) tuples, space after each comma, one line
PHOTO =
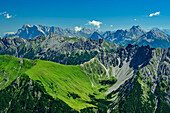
[(156, 29), (136, 31), (135, 27), (96, 36), (108, 35), (26, 26), (154, 34), (119, 31)]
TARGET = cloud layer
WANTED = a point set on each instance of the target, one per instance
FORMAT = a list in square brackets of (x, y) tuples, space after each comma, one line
[(95, 23), (6, 15), (77, 28), (154, 14)]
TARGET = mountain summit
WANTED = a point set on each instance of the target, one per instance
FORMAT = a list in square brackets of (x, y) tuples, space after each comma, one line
[(154, 38)]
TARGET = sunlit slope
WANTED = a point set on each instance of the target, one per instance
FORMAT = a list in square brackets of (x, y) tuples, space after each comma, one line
[(67, 83), (12, 67)]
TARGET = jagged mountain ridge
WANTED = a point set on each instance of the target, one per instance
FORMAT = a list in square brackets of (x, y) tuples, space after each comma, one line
[(96, 36), (122, 36), (28, 31), (155, 38), (167, 31), (58, 48)]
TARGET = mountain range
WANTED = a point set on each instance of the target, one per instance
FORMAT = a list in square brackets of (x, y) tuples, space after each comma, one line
[(135, 35), (28, 31), (57, 73), (56, 48), (167, 31)]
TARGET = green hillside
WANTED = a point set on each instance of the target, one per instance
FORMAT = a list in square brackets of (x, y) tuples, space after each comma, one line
[(11, 67), (65, 82)]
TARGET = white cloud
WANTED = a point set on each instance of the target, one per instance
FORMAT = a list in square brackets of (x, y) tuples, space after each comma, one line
[(95, 23), (6, 15), (111, 25), (154, 14), (135, 19), (77, 28)]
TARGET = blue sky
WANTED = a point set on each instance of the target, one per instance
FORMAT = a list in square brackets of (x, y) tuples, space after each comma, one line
[(112, 14)]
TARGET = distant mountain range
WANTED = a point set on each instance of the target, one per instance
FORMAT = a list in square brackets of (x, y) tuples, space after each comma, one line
[(121, 37), (28, 31), (166, 31), (135, 35), (154, 39)]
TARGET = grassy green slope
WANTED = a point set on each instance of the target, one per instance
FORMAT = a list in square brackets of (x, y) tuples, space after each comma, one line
[(67, 83), (11, 67), (24, 95)]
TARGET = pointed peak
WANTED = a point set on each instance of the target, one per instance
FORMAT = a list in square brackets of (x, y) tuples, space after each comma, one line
[(135, 27), (96, 36), (119, 31), (26, 25), (154, 30)]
